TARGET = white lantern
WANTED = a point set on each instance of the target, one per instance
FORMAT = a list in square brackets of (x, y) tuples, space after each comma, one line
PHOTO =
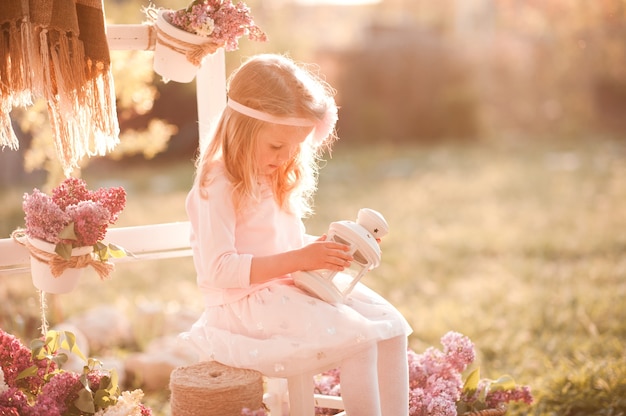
[(362, 237)]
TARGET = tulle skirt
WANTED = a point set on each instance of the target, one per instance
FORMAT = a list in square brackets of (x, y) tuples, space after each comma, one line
[(280, 330)]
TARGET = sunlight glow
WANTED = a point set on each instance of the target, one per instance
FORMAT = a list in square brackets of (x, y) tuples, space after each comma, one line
[(338, 2)]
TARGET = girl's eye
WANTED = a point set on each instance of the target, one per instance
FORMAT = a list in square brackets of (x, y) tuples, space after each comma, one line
[(277, 147)]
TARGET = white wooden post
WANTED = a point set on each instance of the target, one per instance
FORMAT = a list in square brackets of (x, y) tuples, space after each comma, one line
[(210, 93)]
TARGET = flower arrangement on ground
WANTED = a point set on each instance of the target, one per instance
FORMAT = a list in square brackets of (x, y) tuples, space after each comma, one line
[(221, 20), (32, 382), (436, 385)]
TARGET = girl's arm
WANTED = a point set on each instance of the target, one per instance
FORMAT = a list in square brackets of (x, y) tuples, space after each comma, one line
[(320, 254)]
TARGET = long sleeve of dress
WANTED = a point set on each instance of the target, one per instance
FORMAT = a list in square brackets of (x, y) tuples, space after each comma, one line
[(224, 242), (213, 225)]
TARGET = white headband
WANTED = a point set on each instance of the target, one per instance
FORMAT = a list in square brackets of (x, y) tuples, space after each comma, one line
[(323, 127)]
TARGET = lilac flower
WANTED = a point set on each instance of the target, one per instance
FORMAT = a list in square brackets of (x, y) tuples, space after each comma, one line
[(15, 358), (90, 222), (44, 218), (220, 20), (72, 204), (70, 192), (49, 391), (435, 381), (500, 396), (459, 350), (62, 389), (13, 402)]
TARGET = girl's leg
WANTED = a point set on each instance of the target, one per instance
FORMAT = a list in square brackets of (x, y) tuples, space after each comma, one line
[(393, 376), (359, 383)]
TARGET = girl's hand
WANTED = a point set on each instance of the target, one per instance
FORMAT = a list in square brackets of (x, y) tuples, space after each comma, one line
[(322, 254)]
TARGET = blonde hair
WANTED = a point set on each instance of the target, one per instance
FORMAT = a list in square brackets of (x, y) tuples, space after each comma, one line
[(276, 85)]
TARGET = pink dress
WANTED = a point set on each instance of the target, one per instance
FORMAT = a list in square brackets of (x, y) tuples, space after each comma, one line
[(274, 327)]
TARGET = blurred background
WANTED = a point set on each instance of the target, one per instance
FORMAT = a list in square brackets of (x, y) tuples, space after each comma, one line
[(490, 133), (405, 71)]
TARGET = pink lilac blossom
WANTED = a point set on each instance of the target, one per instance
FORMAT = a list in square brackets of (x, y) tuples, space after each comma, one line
[(50, 396), (15, 358), (70, 192), (220, 20), (44, 219), (13, 402), (90, 222), (62, 389), (91, 212), (518, 394), (459, 350), (435, 381)]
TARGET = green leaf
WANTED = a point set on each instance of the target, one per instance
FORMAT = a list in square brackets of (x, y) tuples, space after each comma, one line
[(118, 252), (36, 346), (113, 387), (505, 382), (53, 339), (102, 251), (471, 383), (84, 402), (103, 399), (68, 232), (60, 359), (64, 250), (27, 372), (92, 363), (69, 343)]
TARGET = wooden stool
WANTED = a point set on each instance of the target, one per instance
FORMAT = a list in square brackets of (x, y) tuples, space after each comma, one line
[(213, 389)]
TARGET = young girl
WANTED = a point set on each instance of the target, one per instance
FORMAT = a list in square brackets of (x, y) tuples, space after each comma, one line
[(253, 185)]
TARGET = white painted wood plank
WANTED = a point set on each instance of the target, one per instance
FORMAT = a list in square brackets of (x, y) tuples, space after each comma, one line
[(144, 242), (140, 37)]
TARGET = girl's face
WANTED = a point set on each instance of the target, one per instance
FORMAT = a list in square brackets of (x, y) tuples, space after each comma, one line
[(277, 144)]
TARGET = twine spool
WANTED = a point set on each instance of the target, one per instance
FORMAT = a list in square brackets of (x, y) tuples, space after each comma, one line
[(210, 388)]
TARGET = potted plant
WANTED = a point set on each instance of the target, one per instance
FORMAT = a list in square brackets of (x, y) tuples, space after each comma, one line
[(33, 382), (64, 233), (186, 36)]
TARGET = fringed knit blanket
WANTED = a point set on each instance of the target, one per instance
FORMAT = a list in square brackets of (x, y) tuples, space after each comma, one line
[(57, 50)]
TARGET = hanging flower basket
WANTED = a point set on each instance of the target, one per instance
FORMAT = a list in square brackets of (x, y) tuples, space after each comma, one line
[(178, 54), (64, 233), (53, 274), (186, 36)]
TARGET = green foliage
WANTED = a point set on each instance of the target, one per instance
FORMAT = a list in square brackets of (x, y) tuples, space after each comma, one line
[(586, 386), (52, 349), (475, 391)]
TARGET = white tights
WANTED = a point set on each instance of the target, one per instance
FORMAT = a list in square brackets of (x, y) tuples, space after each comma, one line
[(375, 381)]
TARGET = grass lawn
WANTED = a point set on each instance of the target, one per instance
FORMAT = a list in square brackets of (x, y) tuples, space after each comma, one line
[(517, 244)]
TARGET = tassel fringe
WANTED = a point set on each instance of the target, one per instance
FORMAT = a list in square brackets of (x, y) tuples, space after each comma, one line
[(38, 62)]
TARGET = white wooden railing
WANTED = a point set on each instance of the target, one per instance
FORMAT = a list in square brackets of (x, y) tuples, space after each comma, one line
[(154, 241)]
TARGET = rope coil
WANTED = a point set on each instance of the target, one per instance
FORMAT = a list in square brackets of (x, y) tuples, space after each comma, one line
[(210, 388), (193, 52), (58, 264)]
